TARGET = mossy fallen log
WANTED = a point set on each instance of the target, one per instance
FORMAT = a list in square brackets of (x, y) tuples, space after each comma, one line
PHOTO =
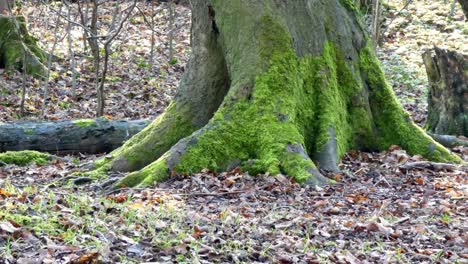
[(71, 136)]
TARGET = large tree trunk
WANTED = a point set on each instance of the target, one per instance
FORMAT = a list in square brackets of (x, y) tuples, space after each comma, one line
[(67, 137), (18, 49), (447, 72), (274, 87)]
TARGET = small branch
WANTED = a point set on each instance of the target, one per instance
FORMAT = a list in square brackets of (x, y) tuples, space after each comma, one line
[(428, 165), (393, 19), (148, 23), (209, 194)]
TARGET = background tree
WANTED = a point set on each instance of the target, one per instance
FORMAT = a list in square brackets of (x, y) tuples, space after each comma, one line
[(447, 72), (16, 43), (98, 38)]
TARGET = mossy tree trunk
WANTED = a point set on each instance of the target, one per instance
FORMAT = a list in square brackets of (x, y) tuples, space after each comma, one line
[(274, 87), (447, 72), (17, 46), (464, 5)]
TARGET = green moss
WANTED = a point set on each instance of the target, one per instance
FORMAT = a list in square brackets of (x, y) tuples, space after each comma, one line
[(349, 5), (24, 157), (84, 122), (159, 136), (394, 125), (155, 172), (295, 165), (289, 105)]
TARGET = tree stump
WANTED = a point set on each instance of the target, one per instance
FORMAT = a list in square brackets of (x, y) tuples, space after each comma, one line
[(464, 5), (447, 72), (18, 49)]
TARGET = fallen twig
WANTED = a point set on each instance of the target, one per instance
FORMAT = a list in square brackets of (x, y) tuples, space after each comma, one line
[(428, 165)]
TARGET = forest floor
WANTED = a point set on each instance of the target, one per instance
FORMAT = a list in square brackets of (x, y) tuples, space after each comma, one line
[(383, 208)]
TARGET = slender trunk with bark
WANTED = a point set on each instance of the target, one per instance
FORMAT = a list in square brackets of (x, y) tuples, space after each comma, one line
[(273, 87)]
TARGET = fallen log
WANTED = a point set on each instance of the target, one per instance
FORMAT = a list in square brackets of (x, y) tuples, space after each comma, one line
[(68, 137), (95, 136)]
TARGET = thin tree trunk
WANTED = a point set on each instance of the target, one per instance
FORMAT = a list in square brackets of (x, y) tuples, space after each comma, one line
[(71, 52), (49, 65), (376, 10), (151, 61), (23, 85), (171, 30)]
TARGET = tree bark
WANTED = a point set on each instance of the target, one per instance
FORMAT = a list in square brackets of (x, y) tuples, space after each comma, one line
[(5, 6), (273, 87), (15, 42), (447, 72), (464, 5), (68, 137)]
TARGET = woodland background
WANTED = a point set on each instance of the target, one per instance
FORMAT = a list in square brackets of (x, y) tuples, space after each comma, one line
[(378, 210)]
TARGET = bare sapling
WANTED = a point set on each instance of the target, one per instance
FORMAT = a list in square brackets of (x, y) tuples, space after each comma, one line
[(172, 14), (71, 52), (84, 21), (118, 21), (376, 11), (49, 64), (151, 23)]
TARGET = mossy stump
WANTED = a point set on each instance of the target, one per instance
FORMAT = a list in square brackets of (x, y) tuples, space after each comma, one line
[(273, 87), (447, 72), (17, 45)]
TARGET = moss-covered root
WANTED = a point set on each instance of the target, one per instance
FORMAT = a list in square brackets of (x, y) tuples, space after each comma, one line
[(157, 171), (296, 162), (187, 158), (151, 143), (24, 157), (394, 125)]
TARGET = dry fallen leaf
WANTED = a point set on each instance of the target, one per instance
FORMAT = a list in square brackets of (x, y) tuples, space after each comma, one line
[(8, 227), (90, 258)]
